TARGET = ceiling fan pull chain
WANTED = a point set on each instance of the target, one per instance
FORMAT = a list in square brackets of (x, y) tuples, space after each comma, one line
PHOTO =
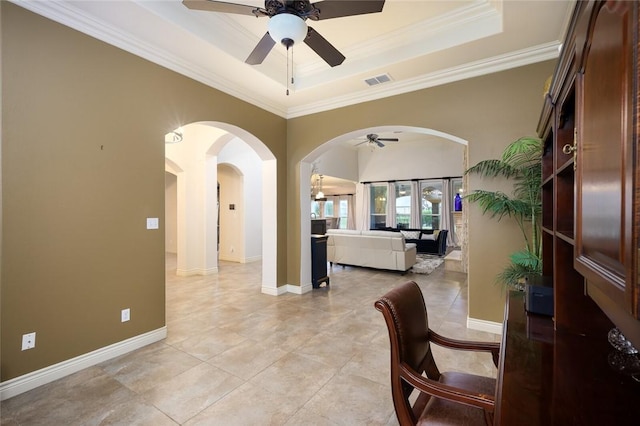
[(292, 67), (287, 70)]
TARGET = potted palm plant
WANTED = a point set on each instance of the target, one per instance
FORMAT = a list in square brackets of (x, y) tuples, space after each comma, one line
[(521, 163)]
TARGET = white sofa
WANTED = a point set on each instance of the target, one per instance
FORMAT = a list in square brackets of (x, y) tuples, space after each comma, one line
[(372, 249)]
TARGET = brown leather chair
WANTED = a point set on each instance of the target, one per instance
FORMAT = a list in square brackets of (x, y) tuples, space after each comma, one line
[(443, 398)]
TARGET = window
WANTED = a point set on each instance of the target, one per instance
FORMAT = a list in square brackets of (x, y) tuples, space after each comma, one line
[(403, 204), (343, 214), (328, 208), (322, 208), (315, 209), (378, 206), (431, 198)]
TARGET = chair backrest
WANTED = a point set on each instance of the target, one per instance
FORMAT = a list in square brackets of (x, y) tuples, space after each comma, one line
[(405, 313), (442, 242)]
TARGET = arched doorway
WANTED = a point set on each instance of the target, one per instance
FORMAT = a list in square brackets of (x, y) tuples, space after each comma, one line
[(195, 160), (307, 164)]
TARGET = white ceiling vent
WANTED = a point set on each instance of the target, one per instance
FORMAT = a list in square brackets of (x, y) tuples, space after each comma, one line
[(374, 81)]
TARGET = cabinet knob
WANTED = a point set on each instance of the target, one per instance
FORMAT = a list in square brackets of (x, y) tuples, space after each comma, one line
[(569, 149)]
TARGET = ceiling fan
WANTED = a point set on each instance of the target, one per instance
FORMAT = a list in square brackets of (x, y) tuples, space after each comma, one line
[(287, 22), (373, 139)]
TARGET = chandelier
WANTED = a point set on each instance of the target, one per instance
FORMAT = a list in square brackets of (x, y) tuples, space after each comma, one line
[(316, 185)]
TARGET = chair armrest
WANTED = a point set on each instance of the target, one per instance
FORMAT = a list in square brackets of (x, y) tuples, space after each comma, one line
[(465, 345), (451, 393)]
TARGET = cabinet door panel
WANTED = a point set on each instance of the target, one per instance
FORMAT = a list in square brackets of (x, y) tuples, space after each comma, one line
[(604, 199)]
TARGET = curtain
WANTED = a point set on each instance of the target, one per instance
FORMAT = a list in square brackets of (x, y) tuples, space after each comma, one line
[(351, 212), (335, 200), (391, 204), (363, 197), (336, 210), (416, 205), (445, 218)]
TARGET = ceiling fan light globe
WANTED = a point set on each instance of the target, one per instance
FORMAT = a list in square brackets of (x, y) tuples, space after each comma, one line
[(287, 27)]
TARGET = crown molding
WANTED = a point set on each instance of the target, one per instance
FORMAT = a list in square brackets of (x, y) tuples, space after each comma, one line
[(463, 25), (65, 14), (472, 69)]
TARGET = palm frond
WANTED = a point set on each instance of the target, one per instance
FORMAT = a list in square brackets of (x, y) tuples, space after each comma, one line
[(521, 163), (493, 168), (514, 275), (527, 261), (523, 152), (498, 204)]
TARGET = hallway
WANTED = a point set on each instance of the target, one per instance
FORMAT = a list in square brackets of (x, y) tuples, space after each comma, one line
[(234, 356)]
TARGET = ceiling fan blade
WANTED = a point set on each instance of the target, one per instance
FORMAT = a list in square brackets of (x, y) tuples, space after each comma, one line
[(323, 48), (380, 144), (224, 7), (389, 139), (338, 8), (261, 50), (358, 144)]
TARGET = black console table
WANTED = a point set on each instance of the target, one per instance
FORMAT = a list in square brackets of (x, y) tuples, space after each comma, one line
[(319, 260)]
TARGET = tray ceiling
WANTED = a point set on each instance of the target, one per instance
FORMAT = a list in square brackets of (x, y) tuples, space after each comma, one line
[(415, 43)]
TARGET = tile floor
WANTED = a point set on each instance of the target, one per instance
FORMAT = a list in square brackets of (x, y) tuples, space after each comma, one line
[(234, 356)]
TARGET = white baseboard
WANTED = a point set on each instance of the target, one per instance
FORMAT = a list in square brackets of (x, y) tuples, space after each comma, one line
[(238, 259), (287, 288), (196, 271), (483, 325), (299, 289), (62, 369), (274, 291)]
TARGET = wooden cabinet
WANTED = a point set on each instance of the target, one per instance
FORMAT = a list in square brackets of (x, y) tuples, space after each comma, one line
[(558, 127), (591, 218), (590, 213), (606, 228)]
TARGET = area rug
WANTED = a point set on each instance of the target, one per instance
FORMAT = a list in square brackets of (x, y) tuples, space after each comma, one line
[(426, 264)]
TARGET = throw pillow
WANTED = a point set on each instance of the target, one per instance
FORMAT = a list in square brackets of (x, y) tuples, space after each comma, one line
[(428, 237), (410, 235)]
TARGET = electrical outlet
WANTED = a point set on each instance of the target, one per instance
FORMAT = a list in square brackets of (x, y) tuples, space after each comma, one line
[(28, 341), (125, 315)]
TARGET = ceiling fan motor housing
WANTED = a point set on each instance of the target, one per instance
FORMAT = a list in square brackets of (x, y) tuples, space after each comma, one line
[(287, 22), (303, 8)]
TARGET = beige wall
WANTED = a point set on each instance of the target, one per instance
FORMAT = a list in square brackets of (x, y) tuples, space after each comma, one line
[(83, 126), (488, 111)]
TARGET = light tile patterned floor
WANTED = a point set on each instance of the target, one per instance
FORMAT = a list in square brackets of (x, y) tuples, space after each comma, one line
[(234, 356)]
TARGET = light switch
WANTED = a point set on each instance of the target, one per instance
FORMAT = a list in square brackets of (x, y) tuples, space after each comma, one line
[(152, 223)]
